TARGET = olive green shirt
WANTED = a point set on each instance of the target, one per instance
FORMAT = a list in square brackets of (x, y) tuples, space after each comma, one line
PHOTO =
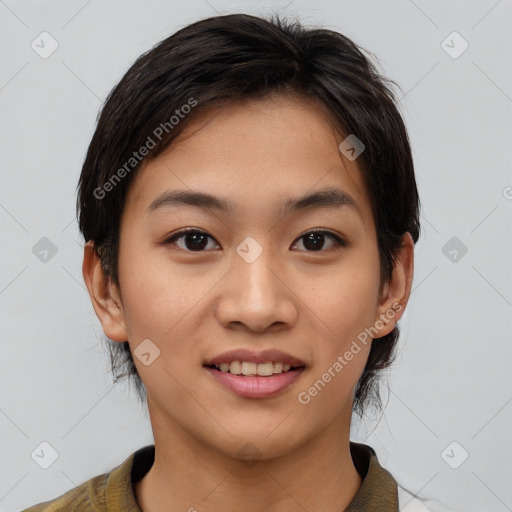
[(113, 492)]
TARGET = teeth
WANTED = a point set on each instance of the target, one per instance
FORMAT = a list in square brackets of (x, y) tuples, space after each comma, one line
[(248, 369), (265, 369), (235, 368)]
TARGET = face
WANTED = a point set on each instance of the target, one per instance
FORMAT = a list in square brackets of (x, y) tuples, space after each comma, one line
[(277, 280)]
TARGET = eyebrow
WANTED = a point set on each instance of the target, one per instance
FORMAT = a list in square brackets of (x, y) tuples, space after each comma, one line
[(329, 197)]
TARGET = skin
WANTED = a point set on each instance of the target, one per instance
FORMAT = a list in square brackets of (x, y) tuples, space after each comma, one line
[(195, 305)]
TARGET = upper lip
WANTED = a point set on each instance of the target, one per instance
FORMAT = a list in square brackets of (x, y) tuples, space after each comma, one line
[(274, 356)]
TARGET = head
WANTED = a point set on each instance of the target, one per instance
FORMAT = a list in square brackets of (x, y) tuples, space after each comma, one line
[(252, 112)]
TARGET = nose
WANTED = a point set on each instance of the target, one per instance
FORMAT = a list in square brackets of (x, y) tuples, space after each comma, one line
[(255, 296)]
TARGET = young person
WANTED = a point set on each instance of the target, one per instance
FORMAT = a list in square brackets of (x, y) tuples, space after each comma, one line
[(250, 209)]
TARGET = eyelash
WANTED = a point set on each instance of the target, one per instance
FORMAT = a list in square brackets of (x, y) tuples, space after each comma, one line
[(339, 242)]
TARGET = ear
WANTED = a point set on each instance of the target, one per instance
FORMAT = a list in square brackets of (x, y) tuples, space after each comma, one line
[(397, 290), (105, 296)]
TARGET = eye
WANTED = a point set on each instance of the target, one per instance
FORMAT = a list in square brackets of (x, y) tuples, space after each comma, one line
[(193, 240), (314, 241)]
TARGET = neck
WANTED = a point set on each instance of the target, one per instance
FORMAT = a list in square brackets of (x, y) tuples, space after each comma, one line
[(189, 475)]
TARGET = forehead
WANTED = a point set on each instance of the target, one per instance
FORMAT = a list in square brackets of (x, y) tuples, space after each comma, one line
[(252, 151)]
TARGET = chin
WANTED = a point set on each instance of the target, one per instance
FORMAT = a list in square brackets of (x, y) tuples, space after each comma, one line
[(251, 443)]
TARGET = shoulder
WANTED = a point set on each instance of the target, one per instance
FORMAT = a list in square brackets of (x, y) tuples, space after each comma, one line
[(109, 492), (89, 496)]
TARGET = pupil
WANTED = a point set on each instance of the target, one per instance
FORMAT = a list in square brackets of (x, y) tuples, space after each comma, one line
[(313, 238), (199, 241)]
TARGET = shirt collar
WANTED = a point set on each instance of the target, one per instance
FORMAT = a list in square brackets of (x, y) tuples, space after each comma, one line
[(379, 490)]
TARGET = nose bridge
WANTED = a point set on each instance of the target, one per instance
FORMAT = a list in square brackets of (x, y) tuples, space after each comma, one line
[(253, 294), (254, 273)]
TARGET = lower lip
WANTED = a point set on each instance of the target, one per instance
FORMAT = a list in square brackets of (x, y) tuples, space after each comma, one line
[(255, 386)]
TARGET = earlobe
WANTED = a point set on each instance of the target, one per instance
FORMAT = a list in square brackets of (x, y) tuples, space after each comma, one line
[(397, 291), (104, 296)]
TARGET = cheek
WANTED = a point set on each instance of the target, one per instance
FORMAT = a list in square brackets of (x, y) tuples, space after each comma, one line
[(342, 345), (157, 301), (346, 301), (156, 296)]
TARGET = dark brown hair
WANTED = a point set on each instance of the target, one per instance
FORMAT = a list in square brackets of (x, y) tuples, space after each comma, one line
[(222, 59)]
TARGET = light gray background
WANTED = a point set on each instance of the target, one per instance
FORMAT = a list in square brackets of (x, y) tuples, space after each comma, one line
[(452, 380)]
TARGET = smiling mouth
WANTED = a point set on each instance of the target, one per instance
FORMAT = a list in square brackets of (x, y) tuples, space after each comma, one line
[(250, 369)]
